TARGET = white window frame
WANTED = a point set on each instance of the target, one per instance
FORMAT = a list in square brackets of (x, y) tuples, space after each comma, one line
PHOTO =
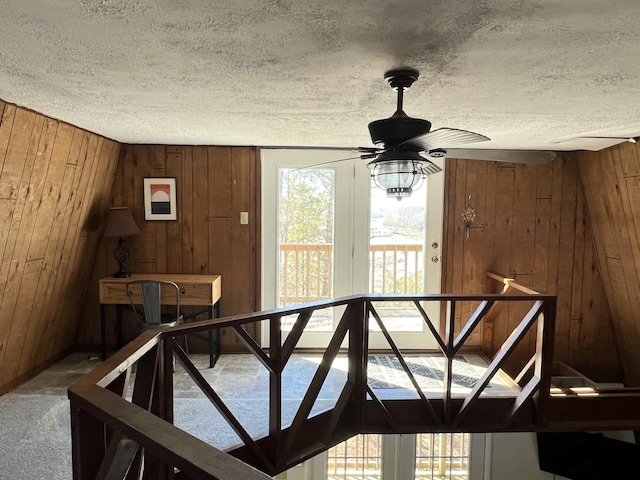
[(399, 459)]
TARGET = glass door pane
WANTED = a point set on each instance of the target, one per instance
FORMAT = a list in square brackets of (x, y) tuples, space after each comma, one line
[(405, 238), (360, 458), (306, 206), (397, 258), (315, 240), (442, 456)]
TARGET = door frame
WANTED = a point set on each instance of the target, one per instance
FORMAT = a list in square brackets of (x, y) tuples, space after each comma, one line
[(352, 185)]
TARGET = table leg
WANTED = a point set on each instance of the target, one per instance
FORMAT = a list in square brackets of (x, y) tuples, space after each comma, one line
[(103, 331), (214, 337), (120, 335)]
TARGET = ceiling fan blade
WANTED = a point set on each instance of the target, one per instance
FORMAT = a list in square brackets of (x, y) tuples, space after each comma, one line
[(443, 138), (363, 156), (320, 148), (534, 157), (593, 143)]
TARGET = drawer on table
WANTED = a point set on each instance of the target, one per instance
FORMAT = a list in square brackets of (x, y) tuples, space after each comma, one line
[(198, 293), (194, 290)]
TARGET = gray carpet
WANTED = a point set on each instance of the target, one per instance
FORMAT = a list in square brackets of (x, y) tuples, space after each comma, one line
[(35, 437), (198, 417), (35, 433)]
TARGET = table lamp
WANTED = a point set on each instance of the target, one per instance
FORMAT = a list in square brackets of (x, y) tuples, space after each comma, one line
[(121, 224)]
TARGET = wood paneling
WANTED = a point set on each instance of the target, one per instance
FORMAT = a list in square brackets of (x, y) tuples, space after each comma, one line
[(532, 224), (54, 180), (611, 180), (213, 185)]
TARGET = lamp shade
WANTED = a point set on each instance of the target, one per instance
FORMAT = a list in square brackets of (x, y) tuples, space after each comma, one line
[(121, 223)]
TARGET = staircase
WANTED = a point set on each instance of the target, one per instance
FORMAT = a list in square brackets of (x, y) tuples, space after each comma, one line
[(116, 435)]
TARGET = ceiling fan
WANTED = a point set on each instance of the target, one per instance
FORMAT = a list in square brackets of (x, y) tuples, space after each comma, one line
[(404, 145)]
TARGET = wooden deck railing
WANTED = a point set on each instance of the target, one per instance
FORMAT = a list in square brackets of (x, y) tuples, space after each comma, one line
[(395, 268), (307, 270)]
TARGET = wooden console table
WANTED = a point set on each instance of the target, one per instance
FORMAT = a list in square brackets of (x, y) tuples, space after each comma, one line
[(199, 290)]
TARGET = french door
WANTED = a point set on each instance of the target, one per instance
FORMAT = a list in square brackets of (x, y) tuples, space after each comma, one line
[(309, 230), (327, 234), (422, 456)]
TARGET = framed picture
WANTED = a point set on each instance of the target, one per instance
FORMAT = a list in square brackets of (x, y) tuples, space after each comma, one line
[(160, 199)]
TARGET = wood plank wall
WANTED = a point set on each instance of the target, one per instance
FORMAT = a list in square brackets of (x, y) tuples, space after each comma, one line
[(611, 180), (54, 186), (531, 224), (213, 185)]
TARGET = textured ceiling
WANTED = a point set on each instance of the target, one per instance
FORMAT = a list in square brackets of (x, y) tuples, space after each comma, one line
[(310, 73)]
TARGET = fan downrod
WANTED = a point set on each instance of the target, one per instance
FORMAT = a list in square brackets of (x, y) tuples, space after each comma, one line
[(392, 131)]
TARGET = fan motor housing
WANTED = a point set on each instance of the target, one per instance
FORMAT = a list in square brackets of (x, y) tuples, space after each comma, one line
[(395, 130)]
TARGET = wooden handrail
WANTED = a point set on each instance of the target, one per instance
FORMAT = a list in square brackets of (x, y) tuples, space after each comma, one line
[(86, 398), (105, 424), (192, 456), (510, 283)]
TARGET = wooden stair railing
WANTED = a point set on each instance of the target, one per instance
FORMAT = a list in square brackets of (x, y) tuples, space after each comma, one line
[(116, 437)]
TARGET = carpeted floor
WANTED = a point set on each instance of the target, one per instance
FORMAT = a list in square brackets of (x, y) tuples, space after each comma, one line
[(35, 437), (35, 432)]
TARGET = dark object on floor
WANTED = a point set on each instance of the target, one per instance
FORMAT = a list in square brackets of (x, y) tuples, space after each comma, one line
[(587, 456)]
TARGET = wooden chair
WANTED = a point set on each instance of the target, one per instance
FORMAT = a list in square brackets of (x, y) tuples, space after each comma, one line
[(148, 293)]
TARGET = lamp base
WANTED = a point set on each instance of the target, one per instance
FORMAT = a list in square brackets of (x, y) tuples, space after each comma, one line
[(121, 253)]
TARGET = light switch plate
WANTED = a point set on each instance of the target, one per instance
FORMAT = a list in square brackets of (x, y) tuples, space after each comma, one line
[(244, 218)]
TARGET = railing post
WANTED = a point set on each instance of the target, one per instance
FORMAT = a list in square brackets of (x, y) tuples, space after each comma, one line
[(449, 337), (165, 384), (544, 359), (358, 355), (87, 442), (162, 405), (275, 390)]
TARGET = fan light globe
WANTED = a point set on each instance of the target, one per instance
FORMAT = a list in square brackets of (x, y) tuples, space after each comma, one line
[(398, 178), (399, 173)]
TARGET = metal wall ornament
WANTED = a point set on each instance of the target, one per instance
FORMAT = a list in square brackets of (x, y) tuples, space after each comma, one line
[(468, 216)]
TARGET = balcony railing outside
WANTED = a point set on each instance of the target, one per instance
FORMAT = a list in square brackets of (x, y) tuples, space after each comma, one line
[(396, 268), (306, 275), (307, 271)]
